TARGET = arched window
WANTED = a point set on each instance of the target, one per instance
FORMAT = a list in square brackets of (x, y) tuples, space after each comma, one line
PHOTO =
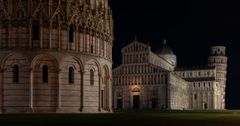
[(36, 32), (15, 73), (166, 79), (91, 49), (91, 77), (71, 75), (71, 34), (195, 96), (45, 74)]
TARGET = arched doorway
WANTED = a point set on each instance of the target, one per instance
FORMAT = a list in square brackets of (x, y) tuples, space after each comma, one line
[(136, 98)]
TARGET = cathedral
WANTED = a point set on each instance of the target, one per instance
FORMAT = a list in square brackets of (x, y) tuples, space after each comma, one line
[(55, 56), (152, 80)]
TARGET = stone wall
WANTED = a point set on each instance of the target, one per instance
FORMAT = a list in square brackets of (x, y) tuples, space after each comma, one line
[(54, 36), (31, 94)]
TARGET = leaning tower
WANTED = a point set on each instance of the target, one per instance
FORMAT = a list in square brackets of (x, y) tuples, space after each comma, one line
[(55, 56), (218, 59)]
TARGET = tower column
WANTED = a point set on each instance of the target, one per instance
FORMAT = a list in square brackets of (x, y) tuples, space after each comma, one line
[(30, 34), (100, 93), (110, 95), (1, 90), (82, 91), (59, 92), (50, 36), (59, 37), (76, 39), (31, 92), (68, 35), (10, 32), (41, 34), (1, 37)]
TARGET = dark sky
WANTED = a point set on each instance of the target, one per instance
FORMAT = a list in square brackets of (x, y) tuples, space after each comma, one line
[(190, 27)]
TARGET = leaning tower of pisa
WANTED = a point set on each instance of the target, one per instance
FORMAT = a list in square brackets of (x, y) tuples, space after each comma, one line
[(55, 56), (218, 59)]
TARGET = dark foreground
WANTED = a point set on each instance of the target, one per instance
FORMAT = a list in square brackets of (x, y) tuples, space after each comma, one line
[(157, 118)]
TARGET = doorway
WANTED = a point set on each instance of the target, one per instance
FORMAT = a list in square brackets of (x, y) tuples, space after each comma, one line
[(135, 101), (205, 106), (154, 103), (119, 103)]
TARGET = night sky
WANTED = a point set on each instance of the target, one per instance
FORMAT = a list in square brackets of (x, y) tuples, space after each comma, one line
[(190, 27)]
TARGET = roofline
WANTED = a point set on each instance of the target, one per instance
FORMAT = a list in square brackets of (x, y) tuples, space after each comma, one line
[(195, 68)]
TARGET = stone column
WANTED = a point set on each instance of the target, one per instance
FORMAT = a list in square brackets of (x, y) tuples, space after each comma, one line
[(82, 91), (76, 39), (59, 106), (110, 95), (68, 45), (84, 40), (1, 90), (31, 91), (9, 10), (59, 37), (108, 92), (81, 41), (41, 34), (50, 36), (10, 32), (1, 38), (98, 44), (30, 34), (100, 93)]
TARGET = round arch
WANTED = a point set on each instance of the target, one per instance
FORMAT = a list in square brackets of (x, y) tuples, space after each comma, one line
[(69, 58), (5, 58), (74, 86), (93, 61), (11, 77), (44, 78), (36, 59), (105, 88)]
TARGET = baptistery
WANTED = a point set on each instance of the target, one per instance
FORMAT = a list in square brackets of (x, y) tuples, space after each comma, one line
[(55, 56)]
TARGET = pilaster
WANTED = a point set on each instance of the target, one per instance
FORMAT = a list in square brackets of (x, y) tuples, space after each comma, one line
[(31, 91), (100, 96), (1, 91), (82, 91), (41, 34), (30, 34), (59, 106), (50, 35)]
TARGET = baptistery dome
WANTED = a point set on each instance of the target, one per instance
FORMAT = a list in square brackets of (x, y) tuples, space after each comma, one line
[(55, 56)]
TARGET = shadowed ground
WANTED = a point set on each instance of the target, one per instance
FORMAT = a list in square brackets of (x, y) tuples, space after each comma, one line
[(146, 118)]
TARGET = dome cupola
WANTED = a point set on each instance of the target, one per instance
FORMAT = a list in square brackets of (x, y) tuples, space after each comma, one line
[(165, 49), (166, 53)]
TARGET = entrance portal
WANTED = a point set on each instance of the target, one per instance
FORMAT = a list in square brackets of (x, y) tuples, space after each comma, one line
[(154, 103), (136, 101), (119, 103), (205, 106)]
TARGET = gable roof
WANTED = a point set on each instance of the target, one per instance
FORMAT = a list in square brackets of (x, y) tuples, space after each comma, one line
[(139, 47)]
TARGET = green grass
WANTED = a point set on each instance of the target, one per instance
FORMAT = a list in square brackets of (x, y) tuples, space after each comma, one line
[(146, 118)]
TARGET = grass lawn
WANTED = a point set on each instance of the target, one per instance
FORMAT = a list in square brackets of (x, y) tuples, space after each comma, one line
[(147, 118)]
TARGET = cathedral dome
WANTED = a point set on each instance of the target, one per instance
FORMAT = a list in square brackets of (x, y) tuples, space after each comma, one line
[(165, 49), (166, 53)]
